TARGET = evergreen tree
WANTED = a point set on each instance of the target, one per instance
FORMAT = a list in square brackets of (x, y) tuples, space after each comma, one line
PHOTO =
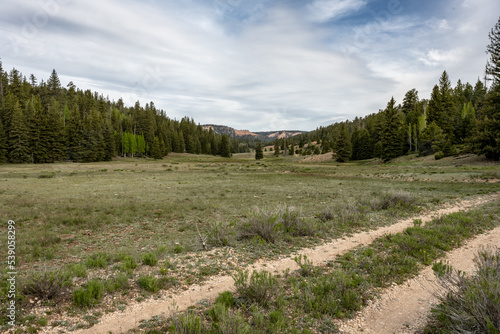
[(224, 147), (3, 144), (364, 145), (258, 152), (343, 144), (432, 139), (391, 136), (156, 150), (292, 147), (277, 147), (488, 136), (18, 137), (493, 49)]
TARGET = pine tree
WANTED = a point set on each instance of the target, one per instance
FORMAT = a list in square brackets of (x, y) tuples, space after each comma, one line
[(493, 49), (258, 152), (225, 150), (277, 147), (156, 150), (3, 144), (391, 136), (364, 145), (18, 137), (343, 144)]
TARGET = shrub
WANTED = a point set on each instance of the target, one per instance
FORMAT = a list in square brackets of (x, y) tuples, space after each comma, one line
[(227, 321), (150, 259), (128, 264), (270, 225), (149, 283), (187, 323), (398, 199), (225, 298), (472, 304), (260, 288), (220, 234), (89, 295), (47, 284), (98, 260), (78, 270)]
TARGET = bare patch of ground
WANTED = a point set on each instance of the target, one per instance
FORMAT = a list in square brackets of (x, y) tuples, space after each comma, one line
[(131, 317)]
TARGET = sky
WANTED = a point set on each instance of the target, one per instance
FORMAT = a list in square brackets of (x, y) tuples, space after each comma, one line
[(260, 65)]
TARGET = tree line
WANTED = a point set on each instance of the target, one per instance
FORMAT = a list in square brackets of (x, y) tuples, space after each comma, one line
[(460, 119), (45, 122)]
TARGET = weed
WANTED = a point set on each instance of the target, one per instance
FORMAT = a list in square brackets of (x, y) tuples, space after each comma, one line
[(77, 270), (128, 264), (89, 295), (226, 298), (149, 259), (187, 323), (221, 234), (98, 260), (306, 266), (149, 283), (261, 288)]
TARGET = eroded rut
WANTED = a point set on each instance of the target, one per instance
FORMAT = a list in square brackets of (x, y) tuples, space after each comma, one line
[(387, 315)]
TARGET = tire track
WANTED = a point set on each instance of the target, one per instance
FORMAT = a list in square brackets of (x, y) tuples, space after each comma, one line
[(119, 322)]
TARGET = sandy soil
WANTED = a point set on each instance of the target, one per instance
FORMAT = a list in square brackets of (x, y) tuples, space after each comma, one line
[(413, 300)]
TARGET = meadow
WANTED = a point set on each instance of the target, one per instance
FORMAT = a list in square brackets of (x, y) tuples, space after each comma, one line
[(136, 225)]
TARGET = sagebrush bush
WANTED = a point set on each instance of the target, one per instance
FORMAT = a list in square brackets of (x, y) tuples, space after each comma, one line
[(187, 323), (221, 234), (260, 288), (270, 225), (472, 304), (395, 199), (47, 284)]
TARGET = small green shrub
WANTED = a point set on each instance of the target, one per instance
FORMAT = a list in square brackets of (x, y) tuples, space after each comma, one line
[(187, 323), (306, 266), (221, 234), (120, 282), (128, 264), (98, 260), (225, 298), (149, 283), (178, 249), (262, 287), (77, 270), (89, 295), (47, 285), (150, 259)]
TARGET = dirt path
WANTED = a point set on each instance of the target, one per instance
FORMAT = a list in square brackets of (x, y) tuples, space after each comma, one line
[(119, 322), (404, 308)]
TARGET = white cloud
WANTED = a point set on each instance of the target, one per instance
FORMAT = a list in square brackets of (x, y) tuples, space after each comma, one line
[(326, 10), (279, 69)]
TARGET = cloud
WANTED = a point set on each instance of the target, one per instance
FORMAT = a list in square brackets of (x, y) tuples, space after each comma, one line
[(254, 66), (326, 10)]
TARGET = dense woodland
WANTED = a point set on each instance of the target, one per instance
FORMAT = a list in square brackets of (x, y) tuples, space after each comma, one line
[(45, 122)]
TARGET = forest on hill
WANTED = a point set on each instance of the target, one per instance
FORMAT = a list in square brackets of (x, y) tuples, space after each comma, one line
[(460, 119), (45, 122)]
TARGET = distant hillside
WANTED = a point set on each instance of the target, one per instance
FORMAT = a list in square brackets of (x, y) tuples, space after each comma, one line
[(263, 135)]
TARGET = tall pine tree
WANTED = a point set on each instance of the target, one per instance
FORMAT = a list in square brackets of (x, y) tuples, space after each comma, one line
[(18, 137), (392, 141)]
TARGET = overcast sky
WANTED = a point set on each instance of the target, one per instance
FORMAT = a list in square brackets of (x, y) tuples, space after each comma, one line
[(250, 64)]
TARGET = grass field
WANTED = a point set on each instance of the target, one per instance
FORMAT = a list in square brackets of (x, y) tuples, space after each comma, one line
[(106, 217)]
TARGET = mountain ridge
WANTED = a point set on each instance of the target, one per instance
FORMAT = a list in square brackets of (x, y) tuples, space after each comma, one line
[(263, 135)]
